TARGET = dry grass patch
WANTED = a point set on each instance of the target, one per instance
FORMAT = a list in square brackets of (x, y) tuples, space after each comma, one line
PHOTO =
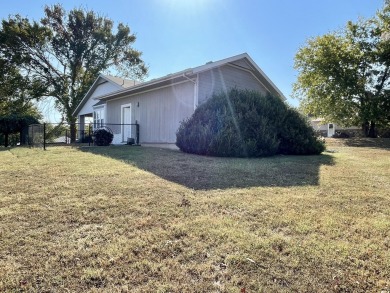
[(115, 219)]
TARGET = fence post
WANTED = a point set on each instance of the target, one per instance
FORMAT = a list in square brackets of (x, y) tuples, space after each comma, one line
[(137, 132), (32, 135), (89, 134), (44, 136)]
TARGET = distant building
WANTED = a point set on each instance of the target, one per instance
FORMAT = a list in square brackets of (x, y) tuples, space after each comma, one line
[(330, 129)]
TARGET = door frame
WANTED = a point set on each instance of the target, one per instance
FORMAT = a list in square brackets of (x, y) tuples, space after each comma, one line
[(122, 120), (331, 129)]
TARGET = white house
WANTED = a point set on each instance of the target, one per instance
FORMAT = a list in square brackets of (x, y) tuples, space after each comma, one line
[(330, 129), (159, 105)]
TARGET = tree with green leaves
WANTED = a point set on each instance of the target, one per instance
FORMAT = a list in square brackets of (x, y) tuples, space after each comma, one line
[(15, 116), (344, 76), (15, 123), (16, 108), (61, 55)]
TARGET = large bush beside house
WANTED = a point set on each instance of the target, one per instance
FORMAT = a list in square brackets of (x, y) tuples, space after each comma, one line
[(297, 137), (245, 123)]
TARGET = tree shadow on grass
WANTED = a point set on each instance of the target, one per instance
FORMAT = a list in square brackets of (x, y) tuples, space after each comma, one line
[(3, 148), (207, 173), (380, 143)]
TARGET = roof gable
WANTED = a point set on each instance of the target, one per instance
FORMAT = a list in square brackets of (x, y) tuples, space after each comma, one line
[(243, 60), (124, 83), (116, 82)]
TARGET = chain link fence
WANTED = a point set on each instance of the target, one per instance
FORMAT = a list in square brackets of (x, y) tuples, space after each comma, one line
[(36, 134), (51, 134)]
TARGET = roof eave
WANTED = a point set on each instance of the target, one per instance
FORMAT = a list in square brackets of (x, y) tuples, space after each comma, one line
[(150, 83), (265, 77), (90, 91), (212, 65), (191, 72)]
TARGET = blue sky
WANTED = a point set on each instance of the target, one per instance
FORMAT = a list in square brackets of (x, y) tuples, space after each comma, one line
[(177, 34)]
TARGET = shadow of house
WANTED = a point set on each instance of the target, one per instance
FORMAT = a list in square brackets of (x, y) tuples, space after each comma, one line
[(210, 173)]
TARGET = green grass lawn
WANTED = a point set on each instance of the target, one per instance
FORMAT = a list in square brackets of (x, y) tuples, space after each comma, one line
[(118, 219)]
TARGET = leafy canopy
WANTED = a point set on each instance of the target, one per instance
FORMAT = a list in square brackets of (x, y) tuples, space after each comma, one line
[(15, 116), (62, 54), (344, 76)]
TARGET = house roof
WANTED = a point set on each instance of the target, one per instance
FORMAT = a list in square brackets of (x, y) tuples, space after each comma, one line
[(317, 120), (190, 72), (99, 103), (124, 83), (118, 82)]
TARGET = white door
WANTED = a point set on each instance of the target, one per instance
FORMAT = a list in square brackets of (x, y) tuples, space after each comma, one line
[(126, 120), (331, 129)]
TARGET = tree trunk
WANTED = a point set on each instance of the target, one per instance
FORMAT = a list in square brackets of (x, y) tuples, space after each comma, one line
[(5, 139), (365, 128), (73, 129), (372, 130)]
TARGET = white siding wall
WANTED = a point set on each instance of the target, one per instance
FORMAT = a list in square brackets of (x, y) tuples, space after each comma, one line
[(242, 63), (100, 90), (223, 79), (324, 128), (159, 112), (319, 126)]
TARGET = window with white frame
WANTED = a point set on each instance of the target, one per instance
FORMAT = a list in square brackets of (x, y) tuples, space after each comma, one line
[(98, 118)]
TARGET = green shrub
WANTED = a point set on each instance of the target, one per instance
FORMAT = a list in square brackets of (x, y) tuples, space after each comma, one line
[(384, 132), (13, 124), (103, 137), (341, 134), (297, 137), (245, 123)]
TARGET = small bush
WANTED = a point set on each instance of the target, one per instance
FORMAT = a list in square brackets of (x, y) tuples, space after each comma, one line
[(340, 134), (86, 139), (103, 137), (384, 132), (245, 123)]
